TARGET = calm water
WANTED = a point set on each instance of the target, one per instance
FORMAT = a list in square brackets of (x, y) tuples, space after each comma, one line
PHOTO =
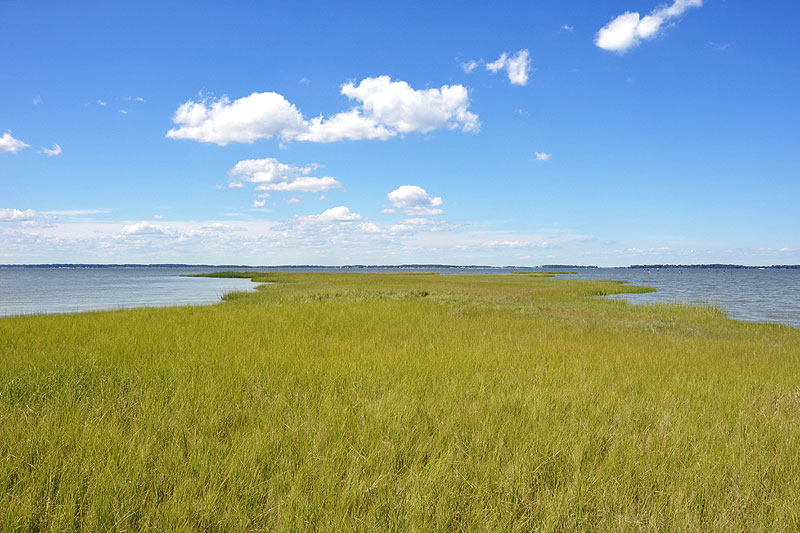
[(67, 290), (746, 294), (755, 295)]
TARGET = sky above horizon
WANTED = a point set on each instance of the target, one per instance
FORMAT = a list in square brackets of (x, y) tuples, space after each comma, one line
[(598, 133)]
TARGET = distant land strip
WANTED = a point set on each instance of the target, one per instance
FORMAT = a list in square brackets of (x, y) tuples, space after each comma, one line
[(404, 266)]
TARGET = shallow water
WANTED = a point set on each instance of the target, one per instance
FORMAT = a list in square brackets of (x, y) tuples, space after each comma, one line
[(25, 291), (769, 295), (746, 294)]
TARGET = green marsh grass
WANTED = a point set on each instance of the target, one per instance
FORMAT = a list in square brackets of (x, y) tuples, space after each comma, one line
[(401, 402)]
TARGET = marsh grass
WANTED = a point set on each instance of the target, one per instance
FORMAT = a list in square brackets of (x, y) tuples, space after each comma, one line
[(400, 402)]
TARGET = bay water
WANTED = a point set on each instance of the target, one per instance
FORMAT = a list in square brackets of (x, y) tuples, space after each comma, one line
[(770, 295)]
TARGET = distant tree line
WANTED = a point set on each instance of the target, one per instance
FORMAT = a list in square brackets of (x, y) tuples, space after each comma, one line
[(719, 266)]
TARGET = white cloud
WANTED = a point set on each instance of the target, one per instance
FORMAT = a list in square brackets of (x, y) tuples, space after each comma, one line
[(469, 66), (398, 106), (305, 81), (269, 174), (517, 67), (102, 103), (49, 152), (304, 184), (336, 214), (219, 227), (418, 224), (10, 144), (419, 221), (414, 200), (335, 237), (259, 203), (40, 219), (258, 116), (384, 109), (17, 215), (293, 200), (37, 100), (76, 212), (123, 111), (350, 125), (134, 99), (543, 156), (498, 64), (146, 228), (516, 244), (567, 27), (629, 29)]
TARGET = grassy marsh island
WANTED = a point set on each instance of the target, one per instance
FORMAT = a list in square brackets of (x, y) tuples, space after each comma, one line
[(401, 402)]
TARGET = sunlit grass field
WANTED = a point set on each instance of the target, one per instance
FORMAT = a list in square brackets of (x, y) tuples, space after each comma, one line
[(369, 402)]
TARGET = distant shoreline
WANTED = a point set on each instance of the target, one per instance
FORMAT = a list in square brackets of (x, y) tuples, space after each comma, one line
[(715, 266)]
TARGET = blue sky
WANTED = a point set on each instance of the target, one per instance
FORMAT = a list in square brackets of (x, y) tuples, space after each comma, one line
[(301, 132)]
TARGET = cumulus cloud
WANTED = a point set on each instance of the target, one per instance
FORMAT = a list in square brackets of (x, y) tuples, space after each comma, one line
[(350, 125), (336, 214), (543, 156), (269, 174), (146, 228), (259, 203), (384, 108), (414, 200), (10, 144), (398, 106), (258, 116), (49, 152), (517, 67), (629, 29)]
